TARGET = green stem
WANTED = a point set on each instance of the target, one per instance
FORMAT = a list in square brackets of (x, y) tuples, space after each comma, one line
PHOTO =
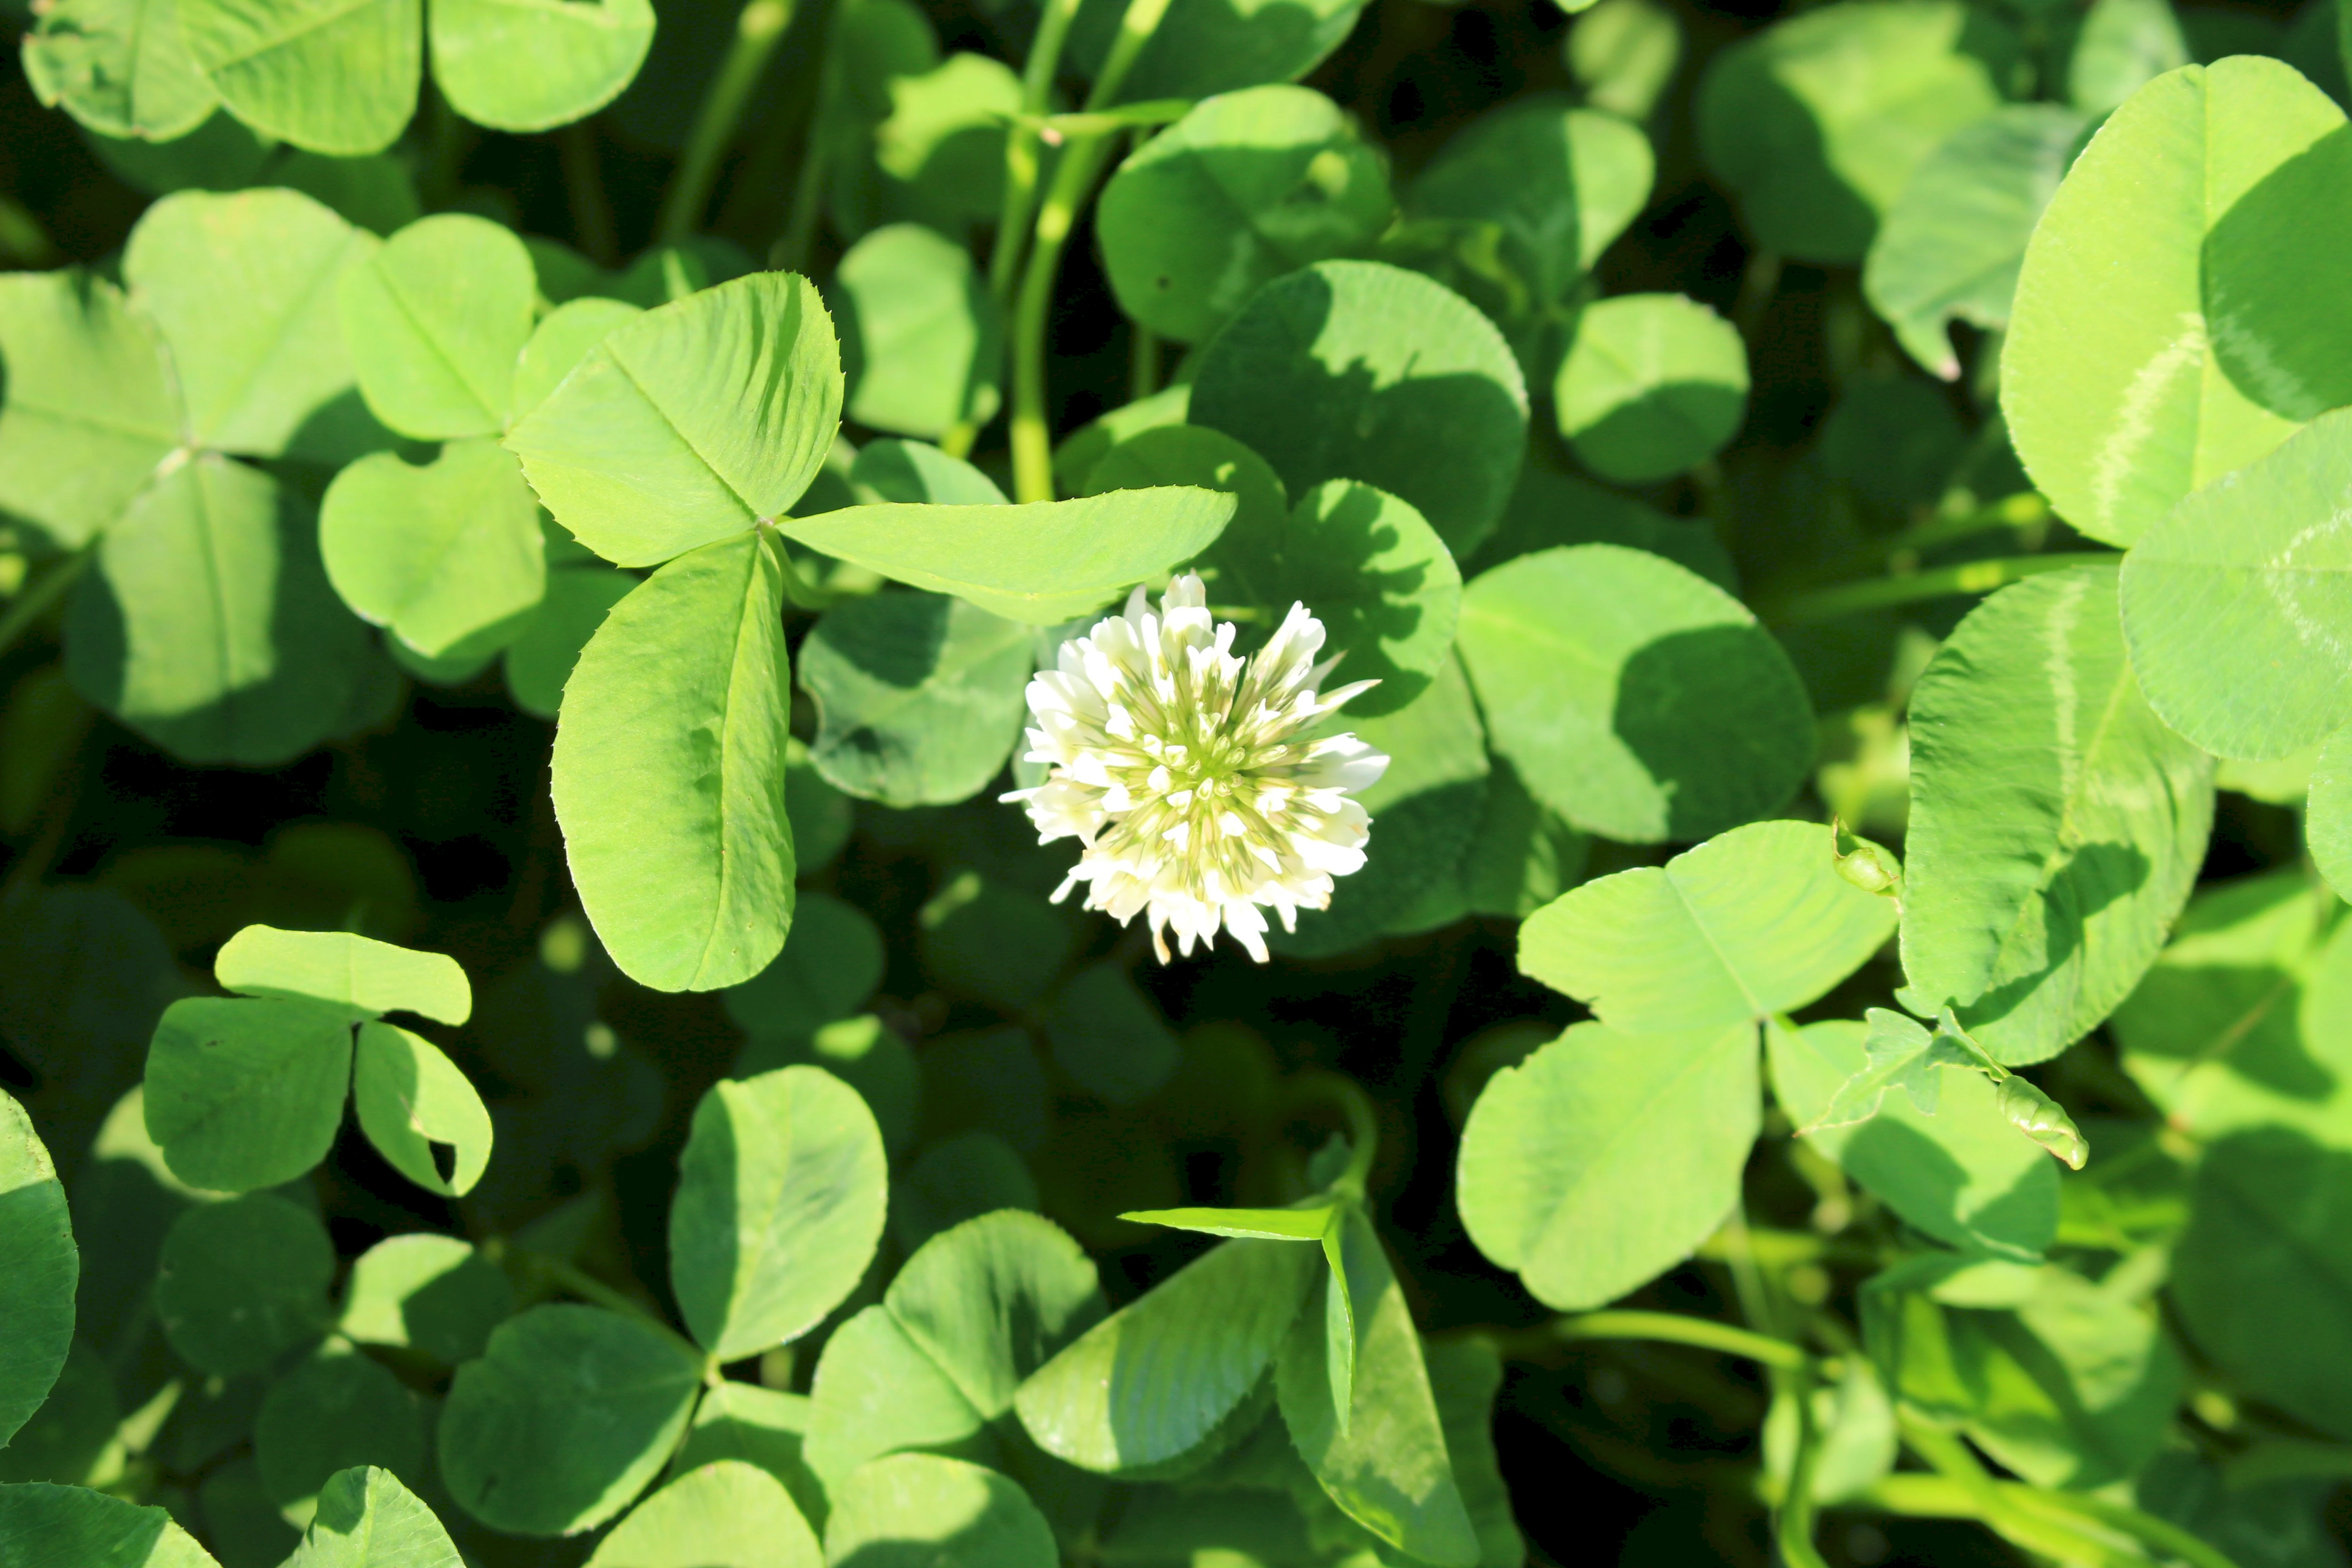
[(1135, 31), (1125, 117), (1021, 143), (584, 187), (1943, 581), (2025, 510), (1914, 1495), (1082, 160), (758, 29), (1317, 1087), (1142, 364), (798, 589), (1950, 1457), (35, 600), (1792, 1526), (447, 141), (1702, 1334), (1756, 1302), (1757, 283), (2039, 1519), (2162, 1534), (1033, 441), (792, 250)]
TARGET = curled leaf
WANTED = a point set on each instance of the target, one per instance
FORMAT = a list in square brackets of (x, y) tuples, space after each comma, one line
[(2044, 1121), (1871, 867)]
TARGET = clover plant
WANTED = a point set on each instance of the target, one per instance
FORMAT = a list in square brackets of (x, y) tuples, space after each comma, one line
[(1175, 784)]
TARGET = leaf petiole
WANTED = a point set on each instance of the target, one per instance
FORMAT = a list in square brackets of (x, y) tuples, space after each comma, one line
[(1674, 1328), (759, 29), (1911, 588)]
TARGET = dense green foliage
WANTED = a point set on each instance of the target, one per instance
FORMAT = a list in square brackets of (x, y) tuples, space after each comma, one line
[(526, 528)]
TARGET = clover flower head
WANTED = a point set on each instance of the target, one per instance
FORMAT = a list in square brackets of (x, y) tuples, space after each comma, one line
[(1195, 776)]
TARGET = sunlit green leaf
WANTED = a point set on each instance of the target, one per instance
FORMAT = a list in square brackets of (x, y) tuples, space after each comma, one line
[(208, 625), (440, 555), (1383, 1460), (2234, 602), (119, 67), (1638, 700), (2075, 1387), (1653, 385), (762, 1426), (48, 1526), (436, 320), (367, 1519), (910, 1510), (2245, 1021), (90, 411), (668, 773), (1751, 923), (2328, 825), (333, 76), (433, 1294), (1607, 1157), (413, 1103), (513, 65), (1310, 1224), (2136, 310), (1213, 1329), (2123, 46), (779, 1206), (895, 470), (921, 345), (1041, 563), (243, 289), (1953, 241), (975, 1311), (1198, 50), (726, 1514), (689, 423), (2056, 827), (367, 977), (1899, 1052), (1624, 53)]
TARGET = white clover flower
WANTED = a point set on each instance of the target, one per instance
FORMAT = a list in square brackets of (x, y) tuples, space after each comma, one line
[(1188, 774)]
